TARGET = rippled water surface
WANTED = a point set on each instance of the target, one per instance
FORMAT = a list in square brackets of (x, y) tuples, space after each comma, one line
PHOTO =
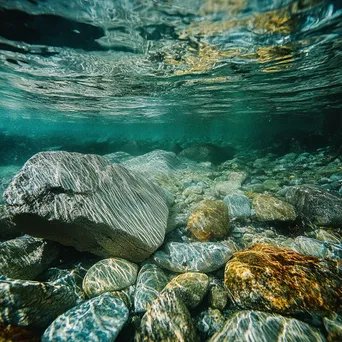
[(217, 70)]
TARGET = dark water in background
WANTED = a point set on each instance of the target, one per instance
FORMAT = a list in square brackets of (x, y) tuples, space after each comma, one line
[(100, 76)]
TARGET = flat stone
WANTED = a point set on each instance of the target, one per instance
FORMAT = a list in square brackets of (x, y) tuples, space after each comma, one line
[(271, 209), (316, 205), (99, 319), (238, 205), (109, 275), (167, 319), (151, 281), (26, 257), (209, 220), (259, 326), (197, 256), (85, 202), (190, 287), (274, 279)]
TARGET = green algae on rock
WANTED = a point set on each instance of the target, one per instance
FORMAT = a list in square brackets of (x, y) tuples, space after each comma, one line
[(109, 275), (269, 278), (271, 209), (209, 220), (257, 326)]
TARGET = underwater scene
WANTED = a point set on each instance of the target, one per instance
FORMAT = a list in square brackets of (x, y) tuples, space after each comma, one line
[(171, 170)]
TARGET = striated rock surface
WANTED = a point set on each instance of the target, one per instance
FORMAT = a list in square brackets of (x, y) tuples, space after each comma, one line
[(109, 275), (151, 280), (257, 326), (196, 256), (167, 319), (209, 322), (333, 325), (190, 287), (26, 257), (271, 209), (83, 201), (316, 205), (238, 206), (99, 319), (209, 220), (269, 278)]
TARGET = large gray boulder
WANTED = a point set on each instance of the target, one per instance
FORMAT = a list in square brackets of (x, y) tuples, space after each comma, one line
[(85, 202)]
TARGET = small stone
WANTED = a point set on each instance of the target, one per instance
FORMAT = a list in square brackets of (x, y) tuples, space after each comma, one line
[(226, 187), (210, 322), (271, 209), (109, 275), (190, 287), (151, 280), (209, 220), (271, 185), (197, 256), (259, 326), (195, 189), (99, 319), (238, 206), (270, 278), (167, 319), (218, 296)]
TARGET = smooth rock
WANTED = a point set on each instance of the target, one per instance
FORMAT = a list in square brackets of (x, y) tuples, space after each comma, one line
[(315, 205), (126, 295), (26, 257), (271, 185), (257, 326), (226, 187), (167, 319), (85, 202), (99, 319), (269, 278), (210, 322), (190, 287), (209, 220), (271, 209), (238, 205), (109, 275), (197, 256), (151, 281)]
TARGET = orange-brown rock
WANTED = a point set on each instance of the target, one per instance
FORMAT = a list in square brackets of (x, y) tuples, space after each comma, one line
[(270, 278), (209, 220)]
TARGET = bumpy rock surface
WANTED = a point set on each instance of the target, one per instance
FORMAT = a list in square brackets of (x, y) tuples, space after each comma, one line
[(151, 280), (84, 202), (36, 304), (270, 278), (316, 205), (190, 287), (99, 319), (256, 326), (196, 256), (238, 206), (270, 209), (209, 220), (167, 319), (109, 275)]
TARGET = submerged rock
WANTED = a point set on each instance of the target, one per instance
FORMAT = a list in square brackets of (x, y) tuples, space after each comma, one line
[(257, 326), (167, 319), (26, 257), (238, 206), (151, 280), (269, 278), (210, 322), (316, 205), (36, 304), (99, 319), (209, 220), (333, 325), (109, 275), (196, 256), (190, 287), (271, 209), (84, 202), (7, 226), (10, 333), (218, 296)]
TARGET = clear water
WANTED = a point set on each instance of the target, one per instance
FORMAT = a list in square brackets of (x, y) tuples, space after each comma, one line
[(94, 75)]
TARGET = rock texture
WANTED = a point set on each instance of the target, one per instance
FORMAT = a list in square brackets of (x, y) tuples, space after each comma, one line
[(10, 333), (209, 220), (256, 326), (196, 256), (99, 319), (84, 202), (238, 206), (316, 205), (109, 275), (269, 278), (26, 257)]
